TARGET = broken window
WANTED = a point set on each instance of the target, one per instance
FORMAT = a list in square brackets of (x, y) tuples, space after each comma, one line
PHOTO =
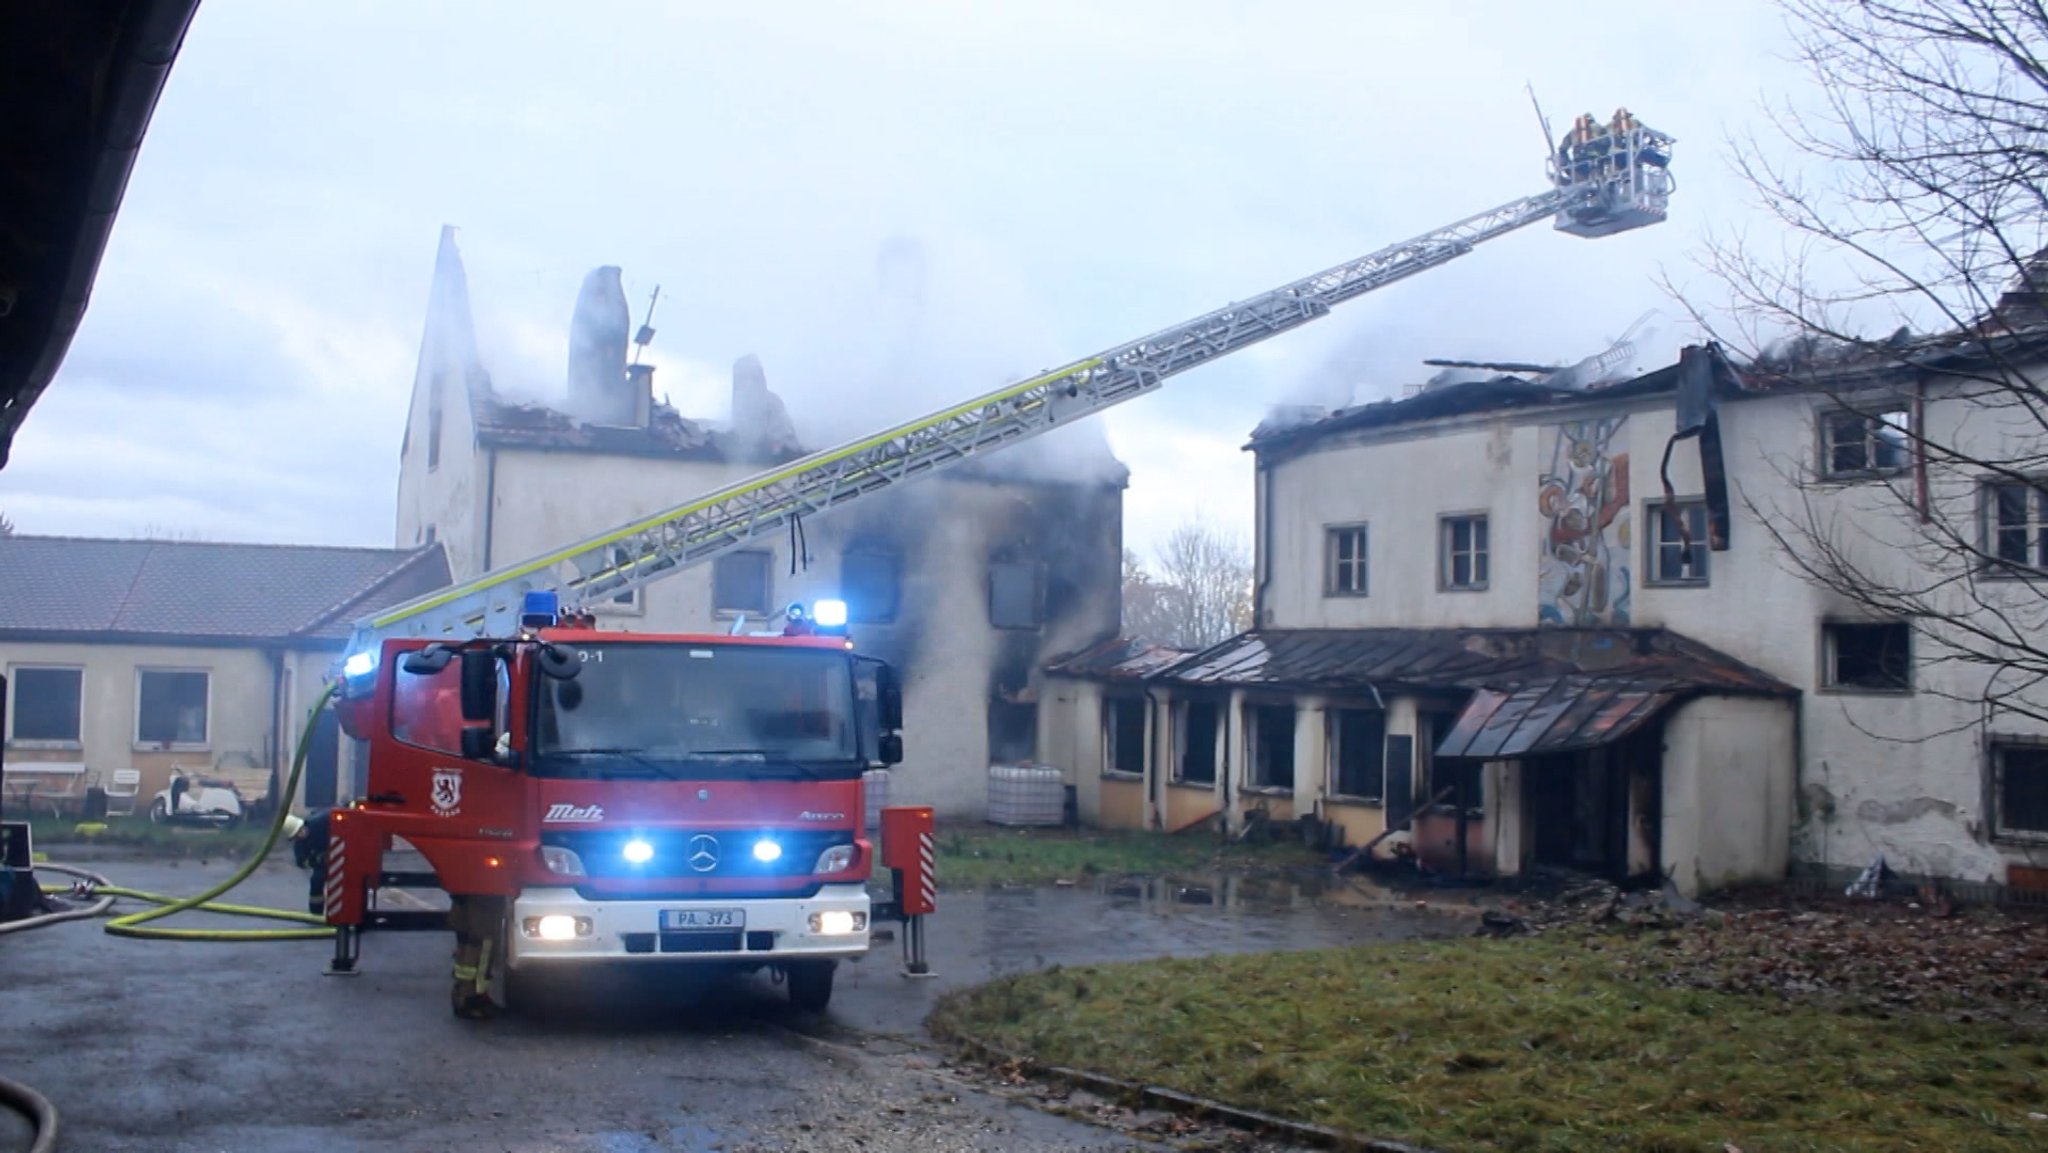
[(2019, 787), (1016, 595), (1358, 753), (1460, 776), (1012, 732), (1198, 723), (1273, 746), (1868, 657), (1678, 543), (46, 705), (2017, 524), (1123, 721), (170, 707), (1346, 563), (739, 583), (869, 584), (1462, 563), (1867, 442)]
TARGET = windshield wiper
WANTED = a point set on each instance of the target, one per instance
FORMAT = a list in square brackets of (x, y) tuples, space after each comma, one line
[(635, 757), (761, 758)]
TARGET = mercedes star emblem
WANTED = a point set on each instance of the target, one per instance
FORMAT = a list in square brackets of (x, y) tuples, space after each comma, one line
[(703, 852)]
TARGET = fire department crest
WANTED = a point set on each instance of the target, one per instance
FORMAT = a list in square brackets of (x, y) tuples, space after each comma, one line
[(447, 791)]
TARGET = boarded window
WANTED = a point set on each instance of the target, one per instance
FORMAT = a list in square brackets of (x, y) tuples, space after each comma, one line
[(1199, 720), (1273, 746), (1016, 595), (1869, 442), (170, 707), (739, 583), (1358, 753), (1347, 554), (1869, 657), (47, 705), (870, 583), (2020, 789), (1464, 556), (1124, 733), (1012, 732), (1678, 543)]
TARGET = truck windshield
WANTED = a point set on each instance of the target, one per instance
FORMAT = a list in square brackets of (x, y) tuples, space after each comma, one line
[(697, 710)]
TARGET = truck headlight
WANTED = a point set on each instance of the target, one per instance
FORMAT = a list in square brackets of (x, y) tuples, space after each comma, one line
[(562, 861), (838, 922), (557, 927), (836, 859)]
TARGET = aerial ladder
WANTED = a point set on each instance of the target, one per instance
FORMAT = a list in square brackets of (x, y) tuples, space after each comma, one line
[(1617, 181)]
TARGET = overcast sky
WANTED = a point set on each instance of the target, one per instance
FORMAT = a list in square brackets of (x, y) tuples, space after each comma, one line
[(893, 204)]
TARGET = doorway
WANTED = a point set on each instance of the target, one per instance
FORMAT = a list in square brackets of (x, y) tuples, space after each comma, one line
[(1577, 805)]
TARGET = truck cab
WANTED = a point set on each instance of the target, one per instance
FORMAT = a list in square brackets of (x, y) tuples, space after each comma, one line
[(586, 796)]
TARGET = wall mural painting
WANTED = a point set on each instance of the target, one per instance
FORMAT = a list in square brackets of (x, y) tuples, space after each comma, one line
[(1583, 579)]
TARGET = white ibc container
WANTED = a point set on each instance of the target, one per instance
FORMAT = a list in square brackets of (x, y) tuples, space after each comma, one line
[(1026, 795), (875, 787)]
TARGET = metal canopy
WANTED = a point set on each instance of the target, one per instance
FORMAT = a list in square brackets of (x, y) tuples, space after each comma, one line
[(1558, 715)]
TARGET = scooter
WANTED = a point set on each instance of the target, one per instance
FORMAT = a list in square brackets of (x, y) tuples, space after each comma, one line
[(197, 801)]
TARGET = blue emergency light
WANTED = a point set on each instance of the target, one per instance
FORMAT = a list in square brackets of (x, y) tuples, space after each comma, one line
[(829, 614), (541, 609)]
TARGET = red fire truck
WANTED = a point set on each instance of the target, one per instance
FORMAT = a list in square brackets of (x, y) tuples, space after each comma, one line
[(590, 796)]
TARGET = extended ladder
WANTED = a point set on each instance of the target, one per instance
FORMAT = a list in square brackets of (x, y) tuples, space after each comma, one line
[(1625, 193)]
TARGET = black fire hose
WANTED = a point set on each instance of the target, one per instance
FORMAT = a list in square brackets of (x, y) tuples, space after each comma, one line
[(36, 1108)]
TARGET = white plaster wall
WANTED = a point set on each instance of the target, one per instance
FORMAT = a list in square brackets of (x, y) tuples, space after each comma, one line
[(448, 497), (1727, 803), (1898, 775)]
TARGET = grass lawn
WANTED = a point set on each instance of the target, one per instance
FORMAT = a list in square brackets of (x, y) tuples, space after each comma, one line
[(984, 856), (1528, 1044), (52, 837)]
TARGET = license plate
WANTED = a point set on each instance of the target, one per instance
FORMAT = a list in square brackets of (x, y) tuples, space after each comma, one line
[(703, 918)]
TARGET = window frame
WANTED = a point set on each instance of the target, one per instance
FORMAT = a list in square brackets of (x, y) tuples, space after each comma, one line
[(1037, 569), (1653, 543), (1828, 680), (142, 745), (1219, 754), (1994, 787), (1361, 564), (1873, 415), (868, 553), (1255, 744), (635, 602), (1446, 556), (1333, 744), (767, 584), (2036, 526), (1112, 733), (14, 672)]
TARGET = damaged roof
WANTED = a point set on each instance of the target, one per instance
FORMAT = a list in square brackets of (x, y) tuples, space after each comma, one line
[(193, 591), (1118, 659), (502, 423)]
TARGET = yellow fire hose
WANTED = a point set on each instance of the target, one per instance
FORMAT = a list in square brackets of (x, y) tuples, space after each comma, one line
[(136, 924)]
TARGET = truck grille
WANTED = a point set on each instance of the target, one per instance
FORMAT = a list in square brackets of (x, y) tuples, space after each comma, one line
[(699, 942), (685, 853)]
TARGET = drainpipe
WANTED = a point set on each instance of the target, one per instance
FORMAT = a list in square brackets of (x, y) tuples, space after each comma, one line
[(1263, 478), (279, 716), (490, 500), (1920, 496), (1159, 748)]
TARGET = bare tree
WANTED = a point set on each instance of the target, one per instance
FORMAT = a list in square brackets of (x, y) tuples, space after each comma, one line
[(1202, 593), (1917, 195), (6, 526)]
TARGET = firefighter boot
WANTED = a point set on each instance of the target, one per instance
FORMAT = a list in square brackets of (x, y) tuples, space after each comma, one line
[(476, 934)]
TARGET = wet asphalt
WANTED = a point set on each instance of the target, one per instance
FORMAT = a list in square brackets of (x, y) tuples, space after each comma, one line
[(249, 1048)]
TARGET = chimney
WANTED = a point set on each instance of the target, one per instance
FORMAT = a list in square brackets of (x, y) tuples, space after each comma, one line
[(599, 391), (761, 427)]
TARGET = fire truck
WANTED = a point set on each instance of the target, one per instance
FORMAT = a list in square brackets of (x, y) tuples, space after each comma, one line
[(587, 796)]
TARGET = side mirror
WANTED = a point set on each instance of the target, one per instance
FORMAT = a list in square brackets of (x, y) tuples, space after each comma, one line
[(889, 750), (889, 699), (427, 661), (479, 688), (557, 665)]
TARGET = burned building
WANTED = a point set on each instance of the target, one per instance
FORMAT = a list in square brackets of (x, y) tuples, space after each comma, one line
[(967, 581), (1578, 625)]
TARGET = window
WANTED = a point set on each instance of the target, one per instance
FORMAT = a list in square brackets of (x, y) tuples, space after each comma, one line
[(170, 707), (868, 583), (1273, 747), (1677, 543), (1358, 753), (1868, 657), (1123, 733), (2019, 788), (1198, 723), (1015, 595), (739, 583), (630, 599), (46, 706), (426, 708), (1012, 732), (1462, 564), (1866, 442), (1460, 776), (2016, 516), (1346, 563)]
